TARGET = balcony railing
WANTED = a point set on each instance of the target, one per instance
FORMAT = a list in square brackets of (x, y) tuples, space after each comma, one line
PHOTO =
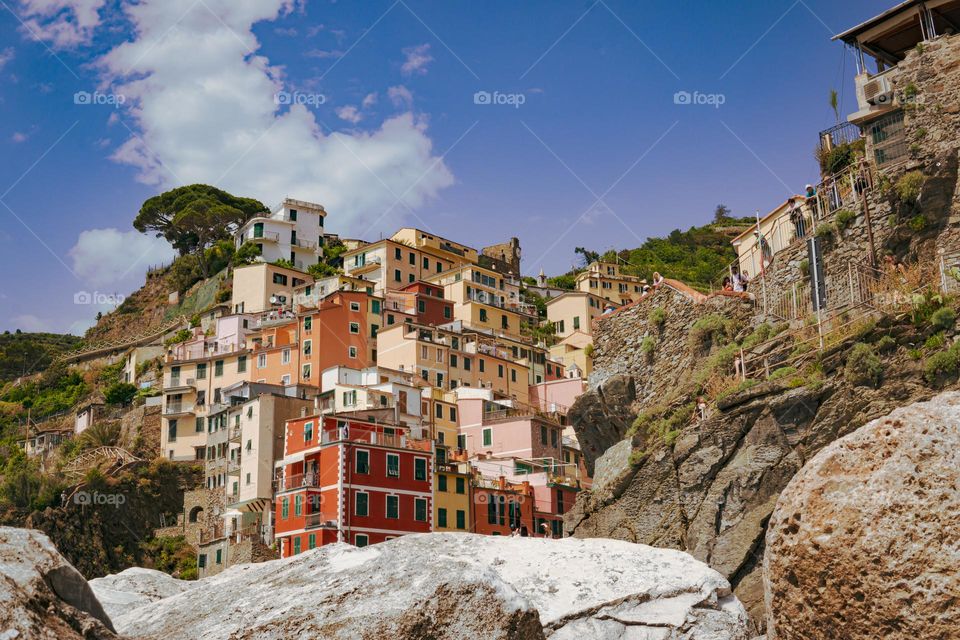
[(179, 382), (297, 481), (304, 244), (177, 408), (235, 434), (264, 235), (320, 519)]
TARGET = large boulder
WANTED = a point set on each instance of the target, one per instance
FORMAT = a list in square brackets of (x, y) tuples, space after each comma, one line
[(135, 587), (602, 416), (447, 586), (42, 596), (864, 542)]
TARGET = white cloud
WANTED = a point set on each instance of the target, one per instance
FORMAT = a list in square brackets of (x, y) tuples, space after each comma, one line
[(63, 23), (110, 257), (6, 55), (203, 102), (350, 114), (400, 96), (323, 53), (369, 100), (416, 60), (18, 137)]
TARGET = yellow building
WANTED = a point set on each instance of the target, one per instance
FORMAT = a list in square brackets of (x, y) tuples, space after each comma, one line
[(408, 256), (452, 499), (484, 299), (574, 312), (260, 287), (606, 280), (439, 412), (573, 352)]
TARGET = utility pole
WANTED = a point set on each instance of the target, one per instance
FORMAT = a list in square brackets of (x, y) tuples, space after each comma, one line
[(866, 212)]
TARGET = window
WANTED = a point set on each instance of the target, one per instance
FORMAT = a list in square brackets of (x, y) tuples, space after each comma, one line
[(410, 278), (201, 371), (453, 360), (461, 442), (279, 278), (374, 328), (285, 508), (504, 322), (307, 347), (447, 312), (393, 507), (481, 365), (420, 469), (350, 398), (499, 370), (219, 556), (453, 414), (308, 323), (543, 435), (198, 427), (307, 370), (442, 481), (361, 506), (461, 485), (439, 411), (487, 437), (262, 361), (361, 540), (576, 322), (421, 306), (202, 562), (363, 462), (293, 217), (354, 327), (354, 306), (553, 437), (491, 509), (413, 259), (241, 364), (440, 380), (513, 375), (390, 319), (393, 465), (420, 509), (296, 545), (426, 262), (375, 306), (285, 356), (461, 519), (559, 501), (442, 517), (298, 505), (483, 315), (172, 430), (397, 276), (397, 253), (257, 229), (312, 541), (307, 432), (352, 352)]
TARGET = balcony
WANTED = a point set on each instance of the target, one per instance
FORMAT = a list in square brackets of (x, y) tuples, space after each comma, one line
[(180, 384), (320, 519), (235, 434), (370, 264), (233, 467), (178, 409), (304, 244), (270, 236), (297, 481)]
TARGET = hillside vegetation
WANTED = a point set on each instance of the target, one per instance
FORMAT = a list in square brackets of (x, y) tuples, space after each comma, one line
[(23, 354)]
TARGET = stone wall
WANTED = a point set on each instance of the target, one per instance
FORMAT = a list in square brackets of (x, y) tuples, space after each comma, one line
[(210, 503), (503, 258)]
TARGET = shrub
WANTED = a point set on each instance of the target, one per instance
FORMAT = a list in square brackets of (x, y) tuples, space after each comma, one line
[(647, 347), (782, 372), (936, 341), (909, 185), (120, 393), (886, 344), (943, 363), (825, 231), (917, 223), (658, 316), (708, 330), (805, 268), (588, 350), (944, 318), (844, 218), (863, 365), (180, 336)]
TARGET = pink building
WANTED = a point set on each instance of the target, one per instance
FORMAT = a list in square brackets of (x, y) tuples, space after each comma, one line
[(556, 396), (495, 427)]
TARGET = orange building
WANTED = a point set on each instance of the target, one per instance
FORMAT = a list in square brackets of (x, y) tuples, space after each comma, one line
[(499, 507)]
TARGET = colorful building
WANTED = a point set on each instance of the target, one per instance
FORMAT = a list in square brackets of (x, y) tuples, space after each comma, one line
[(606, 280), (418, 302), (292, 231), (485, 300), (262, 287), (453, 496), (346, 480)]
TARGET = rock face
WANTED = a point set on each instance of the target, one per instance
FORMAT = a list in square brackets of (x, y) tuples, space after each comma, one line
[(134, 588), (864, 542), (42, 595), (445, 586), (603, 416), (712, 492)]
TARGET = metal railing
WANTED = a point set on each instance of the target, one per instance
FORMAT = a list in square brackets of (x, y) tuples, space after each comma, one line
[(297, 481), (177, 408), (840, 134), (319, 519), (888, 139)]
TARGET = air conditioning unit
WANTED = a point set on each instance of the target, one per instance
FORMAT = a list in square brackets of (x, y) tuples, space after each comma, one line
[(878, 92)]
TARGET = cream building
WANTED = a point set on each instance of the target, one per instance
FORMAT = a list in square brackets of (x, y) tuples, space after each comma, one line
[(261, 287), (606, 280), (574, 311), (292, 231)]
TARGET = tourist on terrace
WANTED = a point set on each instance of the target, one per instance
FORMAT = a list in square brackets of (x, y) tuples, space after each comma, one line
[(811, 192), (799, 221), (727, 286), (657, 279)]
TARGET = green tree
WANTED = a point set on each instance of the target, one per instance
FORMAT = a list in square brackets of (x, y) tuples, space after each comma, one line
[(246, 254), (195, 217), (721, 214), (120, 393), (588, 256)]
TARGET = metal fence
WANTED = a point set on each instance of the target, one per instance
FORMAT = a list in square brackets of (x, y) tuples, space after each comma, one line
[(888, 138)]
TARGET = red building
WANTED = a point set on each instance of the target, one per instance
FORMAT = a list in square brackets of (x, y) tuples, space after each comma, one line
[(346, 480), (499, 507), (551, 501), (418, 302)]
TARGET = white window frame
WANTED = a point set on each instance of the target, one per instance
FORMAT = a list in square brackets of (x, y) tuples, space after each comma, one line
[(354, 306), (262, 361), (285, 356), (352, 352), (386, 506), (426, 509), (356, 461), (355, 328), (356, 495), (366, 539), (397, 456)]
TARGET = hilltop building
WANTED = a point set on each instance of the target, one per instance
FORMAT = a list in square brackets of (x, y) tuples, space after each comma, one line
[(292, 231)]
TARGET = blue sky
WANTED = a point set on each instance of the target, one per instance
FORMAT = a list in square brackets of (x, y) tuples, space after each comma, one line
[(370, 107)]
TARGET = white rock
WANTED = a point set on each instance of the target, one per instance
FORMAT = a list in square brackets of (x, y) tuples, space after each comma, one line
[(136, 587), (460, 585)]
